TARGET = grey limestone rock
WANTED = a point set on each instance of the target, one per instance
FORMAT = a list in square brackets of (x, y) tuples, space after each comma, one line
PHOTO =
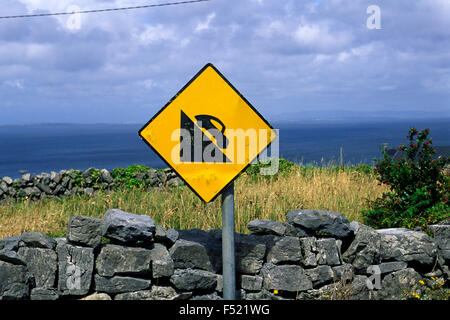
[(407, 245), (394, 285), (75, 268), (42, 263), (197, 249), (161, 262), (267, 226), (14, 281), (286, 249), (285, 277), (84, 231), (364, 249), (251, 283), (36, 240), (116, 260), (126, 227), (320, 275), (119, 284), (44, 294), (324, 222), (11, 256), (97, 297), (191, 279)]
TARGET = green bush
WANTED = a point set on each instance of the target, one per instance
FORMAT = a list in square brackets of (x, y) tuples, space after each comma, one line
[(284, 168), (419, 186)]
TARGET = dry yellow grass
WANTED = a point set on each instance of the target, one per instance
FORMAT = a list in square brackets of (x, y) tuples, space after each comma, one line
[(344, 191)]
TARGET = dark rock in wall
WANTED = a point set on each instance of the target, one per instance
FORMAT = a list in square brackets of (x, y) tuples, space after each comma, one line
[(290, 278), (126, 227), (36, 240), (42, 263), (119, 284), (191, 279), (84, 231), (75, 269), (364, 249), (409, 246), (328, 223), (115, 260), (14, 281)]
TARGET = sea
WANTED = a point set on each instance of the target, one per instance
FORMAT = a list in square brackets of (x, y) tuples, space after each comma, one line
[(37, 148)]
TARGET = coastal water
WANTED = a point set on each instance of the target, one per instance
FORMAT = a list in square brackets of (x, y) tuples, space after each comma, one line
[(53, 147)]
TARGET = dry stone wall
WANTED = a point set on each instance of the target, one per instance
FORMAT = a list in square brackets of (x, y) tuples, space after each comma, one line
[(67, 183), (314, 255)]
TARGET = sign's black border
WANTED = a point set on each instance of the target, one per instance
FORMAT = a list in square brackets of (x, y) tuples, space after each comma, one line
[(174, 97)]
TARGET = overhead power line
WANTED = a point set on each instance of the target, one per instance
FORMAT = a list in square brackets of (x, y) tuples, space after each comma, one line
[(103, 10)]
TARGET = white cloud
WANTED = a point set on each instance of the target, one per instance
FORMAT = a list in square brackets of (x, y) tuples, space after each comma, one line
[(18, 84), (320, 36), (201, 26), (152, 34)]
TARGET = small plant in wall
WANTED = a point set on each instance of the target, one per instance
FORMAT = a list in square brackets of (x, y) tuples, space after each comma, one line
[(419, 186)]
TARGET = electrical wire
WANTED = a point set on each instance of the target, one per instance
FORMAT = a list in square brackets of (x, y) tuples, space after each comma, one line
[(103, 10)]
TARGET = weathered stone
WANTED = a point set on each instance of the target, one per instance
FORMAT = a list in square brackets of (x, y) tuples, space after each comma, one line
[(321, 222), (44, 294), (441, 233), (127, 227), (136, 295), (343, 273), (309, 251), (89, 191), (34, 192), (197, 249), (42, 263), (328, 252), (14, 281), (36, 240), (167, 237), (211, 296), (115, 260), (251, 283), (407, 245), (97, 296), (263, 295), (388, 267), (44, 188), (394, 285), (120, 284), (320, 275), (250, 253), (11, 256), (161, 262), (106, 176), (167, 293), (75, 268), (8, 180), (286, 249), (190, 279), (285, 277), (364, 249), (267, 226), (84, 231)]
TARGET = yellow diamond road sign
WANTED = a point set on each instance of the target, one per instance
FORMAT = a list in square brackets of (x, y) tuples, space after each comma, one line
[(208, 133)]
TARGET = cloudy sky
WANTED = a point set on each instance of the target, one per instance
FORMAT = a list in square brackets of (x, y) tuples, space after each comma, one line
[(292, 59)]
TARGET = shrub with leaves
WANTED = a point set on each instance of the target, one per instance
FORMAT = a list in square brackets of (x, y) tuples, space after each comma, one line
[(419, 186)]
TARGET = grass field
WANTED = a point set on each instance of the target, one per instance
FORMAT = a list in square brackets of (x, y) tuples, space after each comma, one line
[(344, 190)]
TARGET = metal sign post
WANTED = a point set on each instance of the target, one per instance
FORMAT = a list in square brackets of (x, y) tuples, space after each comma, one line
[(228, 256), (210, 112)]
